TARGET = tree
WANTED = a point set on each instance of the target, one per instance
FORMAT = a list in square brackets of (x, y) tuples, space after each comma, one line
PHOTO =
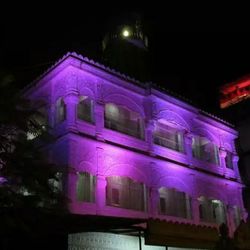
[(27, 179)]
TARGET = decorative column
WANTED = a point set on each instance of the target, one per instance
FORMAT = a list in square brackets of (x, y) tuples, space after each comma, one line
[(99, 119), (100, 193), (235, 167), (223, 155), (71, 101), (195, 210), (188, 146), (154, 198), (195, 213), (149, 135), (52, 115), (230, 220), (153, 201), (101, 183)]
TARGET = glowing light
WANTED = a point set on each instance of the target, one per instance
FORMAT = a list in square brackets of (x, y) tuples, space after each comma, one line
[(126, 33), (216, 201)]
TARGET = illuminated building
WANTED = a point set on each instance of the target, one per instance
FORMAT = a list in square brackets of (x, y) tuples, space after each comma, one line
[(135, 152)]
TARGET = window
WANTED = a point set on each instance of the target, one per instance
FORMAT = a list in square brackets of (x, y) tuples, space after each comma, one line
[(60, 110), (174, 203), (86, 187), (205, 150), (212, 210), (85, 109), (168, 137), (126, 193), (229, 160), (124, 120)]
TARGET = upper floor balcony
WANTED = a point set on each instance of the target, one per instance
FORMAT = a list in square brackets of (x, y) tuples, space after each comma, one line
[(118, 124)]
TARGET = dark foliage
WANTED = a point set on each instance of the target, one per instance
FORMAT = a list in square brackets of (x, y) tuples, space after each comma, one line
[(29, 184)]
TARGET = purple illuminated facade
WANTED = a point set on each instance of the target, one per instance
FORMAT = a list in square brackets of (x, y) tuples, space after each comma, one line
[(134, 151)]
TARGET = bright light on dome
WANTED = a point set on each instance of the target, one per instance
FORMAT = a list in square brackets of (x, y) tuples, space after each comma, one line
[(126, 33)]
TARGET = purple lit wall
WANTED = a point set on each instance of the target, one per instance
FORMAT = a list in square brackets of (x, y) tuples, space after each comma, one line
[(102, 152)]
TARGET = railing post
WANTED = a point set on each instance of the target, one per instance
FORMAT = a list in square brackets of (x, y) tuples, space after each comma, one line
[(71, 100)]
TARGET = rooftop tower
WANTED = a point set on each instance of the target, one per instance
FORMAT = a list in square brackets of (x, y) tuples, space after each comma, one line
[(125, 48)]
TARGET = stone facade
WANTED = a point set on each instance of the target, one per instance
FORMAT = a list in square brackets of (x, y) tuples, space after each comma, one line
[(101, 149)]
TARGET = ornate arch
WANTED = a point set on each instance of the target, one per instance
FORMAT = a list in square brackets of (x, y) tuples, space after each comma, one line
[(212, 193), (86, 166), (123, 100), (206, 133), (85, 91), (172, 117), (59, 92), (127, 170), (174, 182)]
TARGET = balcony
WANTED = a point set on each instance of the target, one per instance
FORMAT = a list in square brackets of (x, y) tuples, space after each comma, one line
[(127, 127), (168, 143)]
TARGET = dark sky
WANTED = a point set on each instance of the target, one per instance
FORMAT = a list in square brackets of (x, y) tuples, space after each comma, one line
[(194, 62)]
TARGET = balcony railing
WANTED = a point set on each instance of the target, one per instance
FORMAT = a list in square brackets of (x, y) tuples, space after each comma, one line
[(128, 127), (167, 143)]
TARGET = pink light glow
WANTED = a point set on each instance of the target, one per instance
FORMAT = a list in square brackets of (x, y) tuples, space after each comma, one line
[(103, 152)]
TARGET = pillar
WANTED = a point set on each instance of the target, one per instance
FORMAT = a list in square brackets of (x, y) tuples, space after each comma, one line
[(100, 193), (101, 182), (235, 167), (71, 101), (188, 147), (154, 201), (195, 210), (52, 115), (99, 119), (223, 154), (149, 135)]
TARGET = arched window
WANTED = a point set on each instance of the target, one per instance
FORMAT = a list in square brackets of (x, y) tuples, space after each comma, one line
[(85, 109), (169, 137), (229, 160), (124, 120), (205, 150), (174, 203), (212, 210), (126, 193), (85, 187), (60, 110)]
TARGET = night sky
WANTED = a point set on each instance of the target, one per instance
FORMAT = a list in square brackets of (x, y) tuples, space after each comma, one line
[(184, 59)]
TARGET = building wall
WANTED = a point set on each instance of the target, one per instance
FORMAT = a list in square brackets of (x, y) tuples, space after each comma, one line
[(107, 241), (102, 152)]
